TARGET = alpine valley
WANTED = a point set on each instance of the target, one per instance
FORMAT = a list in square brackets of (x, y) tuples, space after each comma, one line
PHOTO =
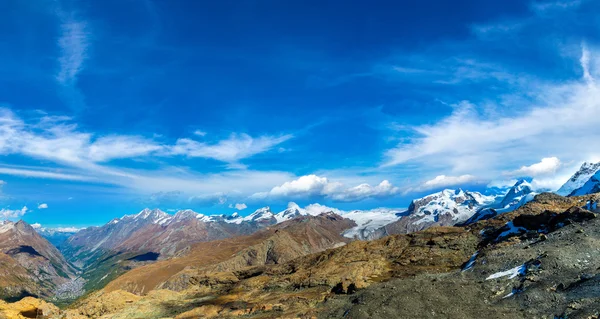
[(461, 254)]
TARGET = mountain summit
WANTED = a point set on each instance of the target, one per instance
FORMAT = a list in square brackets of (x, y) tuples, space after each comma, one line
[(575, 185)]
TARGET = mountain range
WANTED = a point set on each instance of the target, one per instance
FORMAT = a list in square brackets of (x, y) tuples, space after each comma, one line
[(151, 250)]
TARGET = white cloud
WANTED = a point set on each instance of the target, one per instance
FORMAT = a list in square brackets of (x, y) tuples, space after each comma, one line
[(114, 147), (585, 63), (441, 181), (57, 139), (74, 44), (239, 206), (310, 186), (56, 229), (65, 229), (43, 206), (365, 191), (548, 165), (6, 213), (544, 6), (43, 174), (199, 133), (231, 150), (562, 121)]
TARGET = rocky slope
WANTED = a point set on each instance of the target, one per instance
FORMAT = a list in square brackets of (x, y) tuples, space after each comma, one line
[(30, 264), (526, 275)]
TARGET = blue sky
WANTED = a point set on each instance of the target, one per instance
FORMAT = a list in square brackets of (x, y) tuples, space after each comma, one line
[(112, 106)]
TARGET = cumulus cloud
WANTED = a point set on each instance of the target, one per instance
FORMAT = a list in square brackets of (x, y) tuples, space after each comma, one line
[(548, 165), (6, 213), (311, 186), (43, 206), (239, 206)]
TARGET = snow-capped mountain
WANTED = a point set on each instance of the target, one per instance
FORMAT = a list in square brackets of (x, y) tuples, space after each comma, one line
[(57, 235), (446, 208), (517, 196), (453, 205), (367, 221), (157, 231), (578, 183)]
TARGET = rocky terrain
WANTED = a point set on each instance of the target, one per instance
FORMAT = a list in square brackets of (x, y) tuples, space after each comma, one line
[(30, 264)]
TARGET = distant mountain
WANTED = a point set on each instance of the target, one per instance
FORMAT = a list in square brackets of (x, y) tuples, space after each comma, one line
[(517, 196), (446, 208), (56, 236), (38, 267), (582, 182), (165, 234), (285, 241)]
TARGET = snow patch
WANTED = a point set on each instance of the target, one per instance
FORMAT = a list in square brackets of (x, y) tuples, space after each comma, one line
[(511, 273)]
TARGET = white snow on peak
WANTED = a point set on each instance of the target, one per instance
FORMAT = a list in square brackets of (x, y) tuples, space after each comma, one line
[(293, 210), (517, 196), (520, 194), (461, 205), (579, 179)]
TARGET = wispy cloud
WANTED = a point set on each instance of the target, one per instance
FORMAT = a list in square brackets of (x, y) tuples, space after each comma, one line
[(73, 43), (561, 121), (39, 173), (231, 150), (59, 140), (42, 206), (544, 6)]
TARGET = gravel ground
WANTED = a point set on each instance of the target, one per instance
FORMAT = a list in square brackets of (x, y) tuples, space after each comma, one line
[(555, 276)]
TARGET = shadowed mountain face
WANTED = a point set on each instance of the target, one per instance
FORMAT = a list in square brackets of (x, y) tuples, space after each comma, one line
[(32, 266)]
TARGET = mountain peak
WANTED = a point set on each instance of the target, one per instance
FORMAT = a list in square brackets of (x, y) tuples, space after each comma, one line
[(579, 179)]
